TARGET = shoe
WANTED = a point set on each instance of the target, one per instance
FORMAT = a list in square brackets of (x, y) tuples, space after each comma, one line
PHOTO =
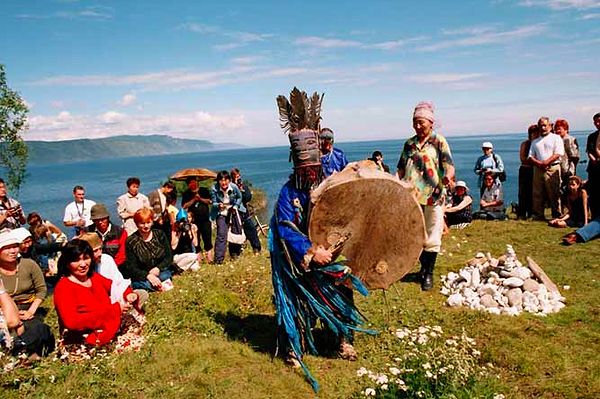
[(347, 352), (292, 360), (427, 283), (570, 239), (427, 260)]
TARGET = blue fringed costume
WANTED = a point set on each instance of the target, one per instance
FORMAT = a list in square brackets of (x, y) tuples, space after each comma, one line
[(300, 296)]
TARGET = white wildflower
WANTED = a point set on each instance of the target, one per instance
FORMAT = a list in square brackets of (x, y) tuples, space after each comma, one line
[(423, 329), (427, 366), (361, 371), (428, 374), (384, 387), (382, 379), (394, 370), (369, 392), (498, 396)]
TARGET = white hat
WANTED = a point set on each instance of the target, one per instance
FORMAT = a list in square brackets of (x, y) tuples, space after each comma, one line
[(461, 183), (8, 238), (21, 234), (487, 144)]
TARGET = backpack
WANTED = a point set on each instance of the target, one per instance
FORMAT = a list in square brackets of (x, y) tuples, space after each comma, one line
[(501, 175)]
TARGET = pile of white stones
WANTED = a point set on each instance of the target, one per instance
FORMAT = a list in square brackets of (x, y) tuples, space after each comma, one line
[(502, 286)]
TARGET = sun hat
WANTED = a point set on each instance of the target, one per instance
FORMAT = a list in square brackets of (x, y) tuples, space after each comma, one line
[(99, 211), (487, 144), (8, 238), (461, 183), (93, 239), (21, 234)]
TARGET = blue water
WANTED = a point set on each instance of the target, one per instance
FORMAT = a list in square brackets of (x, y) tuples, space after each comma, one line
[(48, 188)]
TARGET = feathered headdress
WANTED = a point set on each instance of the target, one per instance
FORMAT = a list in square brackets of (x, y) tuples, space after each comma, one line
[(300, 112), (300, 118)]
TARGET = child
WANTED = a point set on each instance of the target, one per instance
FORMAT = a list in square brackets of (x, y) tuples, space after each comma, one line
[(576, 206)]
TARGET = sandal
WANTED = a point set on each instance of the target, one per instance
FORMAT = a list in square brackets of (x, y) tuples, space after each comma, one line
[(570, 239)]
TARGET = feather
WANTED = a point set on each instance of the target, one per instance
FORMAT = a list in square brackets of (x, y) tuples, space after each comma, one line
[(314, 118), (285, 113), (298, 110)]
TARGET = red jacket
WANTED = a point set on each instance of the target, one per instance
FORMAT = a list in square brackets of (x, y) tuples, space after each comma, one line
[(87, 310)]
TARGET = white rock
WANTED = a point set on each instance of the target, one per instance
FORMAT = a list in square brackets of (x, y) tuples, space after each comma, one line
[(530, 285), (515, 297), (475, 278), (480, 255), (512, 282), (493, 310), (466, 274), (454, 300), (487, 289), (451, 277), (445, 291), (488, 301)]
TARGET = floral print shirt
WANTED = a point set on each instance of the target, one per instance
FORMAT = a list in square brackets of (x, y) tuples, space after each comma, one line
[(425, 166)]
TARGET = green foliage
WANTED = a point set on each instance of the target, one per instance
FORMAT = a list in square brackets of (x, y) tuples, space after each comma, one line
[(213, 336), (13, 121)]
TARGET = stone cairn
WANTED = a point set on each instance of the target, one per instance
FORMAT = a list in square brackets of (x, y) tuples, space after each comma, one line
[(502, 286)]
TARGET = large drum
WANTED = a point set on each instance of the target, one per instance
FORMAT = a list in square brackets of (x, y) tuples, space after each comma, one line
[(378, 215)]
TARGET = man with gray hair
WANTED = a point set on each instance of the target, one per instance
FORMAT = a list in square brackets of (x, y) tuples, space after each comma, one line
[(544, 155)]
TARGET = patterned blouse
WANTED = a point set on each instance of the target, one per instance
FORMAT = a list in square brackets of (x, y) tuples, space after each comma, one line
[(142, 256), (425, 166)]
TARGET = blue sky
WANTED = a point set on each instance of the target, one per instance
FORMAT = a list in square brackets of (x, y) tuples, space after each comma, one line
[(212, 70)]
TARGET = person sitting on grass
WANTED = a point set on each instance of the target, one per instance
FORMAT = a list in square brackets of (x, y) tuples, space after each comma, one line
[(584, 234), (148, 253), (491, 206), (458, 213), (576, 206), (184, 242), (82, 298)]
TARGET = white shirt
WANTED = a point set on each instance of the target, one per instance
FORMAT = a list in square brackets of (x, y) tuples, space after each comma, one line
[(127, 203), (544, 147), (108, 268), (493, 194), (76, 211)]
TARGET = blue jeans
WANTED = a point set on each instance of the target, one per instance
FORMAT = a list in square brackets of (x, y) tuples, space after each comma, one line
[(145, 284), (590, 230)]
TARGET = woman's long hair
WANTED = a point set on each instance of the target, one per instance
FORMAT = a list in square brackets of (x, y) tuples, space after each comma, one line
[(71, 253)]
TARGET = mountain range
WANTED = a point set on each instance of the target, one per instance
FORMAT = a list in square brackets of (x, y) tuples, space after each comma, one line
[(48, 152)]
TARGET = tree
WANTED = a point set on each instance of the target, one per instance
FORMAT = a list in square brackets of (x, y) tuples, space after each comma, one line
[(13, 121)]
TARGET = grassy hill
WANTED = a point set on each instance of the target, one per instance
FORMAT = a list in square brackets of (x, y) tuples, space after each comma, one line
[(48, 152), (213, 335)]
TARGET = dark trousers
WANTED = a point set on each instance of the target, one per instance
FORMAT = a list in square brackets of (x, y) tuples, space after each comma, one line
[(204, 233), (593, 189), (525, 192), (37, 337), (251, 233), (221, 241)]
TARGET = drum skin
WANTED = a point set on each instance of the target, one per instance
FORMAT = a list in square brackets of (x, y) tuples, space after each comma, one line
[(378, 213)]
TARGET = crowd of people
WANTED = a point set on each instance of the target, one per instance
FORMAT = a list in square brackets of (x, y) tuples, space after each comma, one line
[(104, 270), (101, 270)]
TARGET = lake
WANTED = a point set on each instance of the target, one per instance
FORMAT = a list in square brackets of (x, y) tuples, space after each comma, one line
[(48, 188)]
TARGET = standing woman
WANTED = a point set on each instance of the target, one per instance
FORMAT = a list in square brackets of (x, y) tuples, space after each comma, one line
[(426, 163), (525, 209), (148, 252), (226, 202), (24, 282)]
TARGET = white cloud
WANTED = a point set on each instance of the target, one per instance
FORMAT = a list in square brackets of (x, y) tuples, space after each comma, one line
[(562, 4), (240, 38), (586, 17), (97, 13), (198, 124), (489, 37), (436, 78), (324, 42), (128, 99)]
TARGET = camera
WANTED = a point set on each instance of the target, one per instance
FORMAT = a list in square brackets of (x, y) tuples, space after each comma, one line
[(185, 226)]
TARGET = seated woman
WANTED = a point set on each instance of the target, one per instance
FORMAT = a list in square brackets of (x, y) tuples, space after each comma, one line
[(491, 206), (105, 266), (184, 241), (576, 205), (82, 298), (148, 253), (226, 200), (43, 252), (458, 213), (23, 279)]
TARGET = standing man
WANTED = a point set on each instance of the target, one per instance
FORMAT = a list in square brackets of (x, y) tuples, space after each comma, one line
[(113, 237), (11, 213), (426, 162), (488, 162), (592, 149), (196, 200), (249, 224), (130, 202), (78, 213), (544, 155), (158, 204), (332, 159)]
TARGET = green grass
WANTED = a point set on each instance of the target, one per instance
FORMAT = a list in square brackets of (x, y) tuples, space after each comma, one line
[(213, 335)]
